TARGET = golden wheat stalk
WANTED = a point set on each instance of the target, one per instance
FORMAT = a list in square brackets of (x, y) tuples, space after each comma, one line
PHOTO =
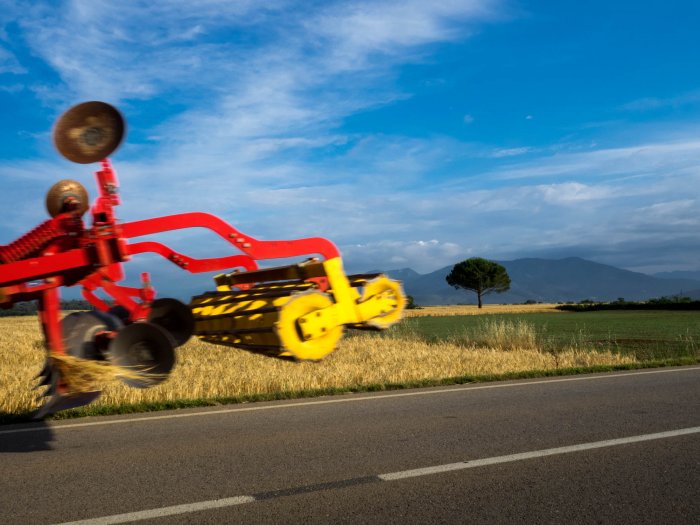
[(87, 375), (468, 309)]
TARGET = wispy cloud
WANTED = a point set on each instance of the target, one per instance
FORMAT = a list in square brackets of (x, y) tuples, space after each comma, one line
[(116, 52), (359, 32), (9, 63), (420, 255), (509, 152), (657, 158), (652, 103)]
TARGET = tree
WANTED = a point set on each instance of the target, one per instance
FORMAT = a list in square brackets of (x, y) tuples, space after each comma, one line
[(479, 275)]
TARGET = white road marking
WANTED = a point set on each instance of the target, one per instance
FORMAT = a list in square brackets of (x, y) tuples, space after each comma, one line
[(535, 454), (42, 427), (392, 476), (164, 511)]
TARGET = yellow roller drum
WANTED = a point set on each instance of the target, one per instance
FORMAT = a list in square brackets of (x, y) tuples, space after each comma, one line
[(382, 303), (307, 326)]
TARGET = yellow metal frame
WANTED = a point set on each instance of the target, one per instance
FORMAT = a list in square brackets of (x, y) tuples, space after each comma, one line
[(307, 323), (382, 300)]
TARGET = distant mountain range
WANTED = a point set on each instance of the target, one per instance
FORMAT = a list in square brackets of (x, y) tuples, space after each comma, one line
[(547, 280), (678, 275)]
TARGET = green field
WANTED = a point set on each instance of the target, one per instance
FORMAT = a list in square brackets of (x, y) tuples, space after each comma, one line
[(648, 335)]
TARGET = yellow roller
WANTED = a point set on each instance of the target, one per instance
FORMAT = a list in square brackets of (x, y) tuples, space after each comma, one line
[(382, 303), (306, 326), (296, 311)]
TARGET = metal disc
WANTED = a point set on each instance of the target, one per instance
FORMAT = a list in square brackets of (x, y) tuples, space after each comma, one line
[(174, 316), (89, 132), (79, 330), (146, 349), (67, 195)]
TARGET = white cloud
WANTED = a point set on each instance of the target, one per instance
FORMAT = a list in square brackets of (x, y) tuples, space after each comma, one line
[(359, 31), (131, 57), (660, 158), (652, 103), (12, 88), (468, 119), (9, 63), (678, 212), (509, 152), (137, 50), (574, 192), (420, 255)]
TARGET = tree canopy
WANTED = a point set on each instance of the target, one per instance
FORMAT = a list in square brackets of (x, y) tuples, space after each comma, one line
[(479, 275)]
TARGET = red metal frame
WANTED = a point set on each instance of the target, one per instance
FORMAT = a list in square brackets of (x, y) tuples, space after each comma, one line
[(62, 252)]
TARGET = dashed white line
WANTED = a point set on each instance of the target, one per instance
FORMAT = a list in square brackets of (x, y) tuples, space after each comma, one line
[(188, 508), (535, 454), (41, 427), (164, 511)]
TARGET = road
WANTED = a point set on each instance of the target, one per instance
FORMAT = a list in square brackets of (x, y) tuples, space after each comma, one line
[(603, 448)]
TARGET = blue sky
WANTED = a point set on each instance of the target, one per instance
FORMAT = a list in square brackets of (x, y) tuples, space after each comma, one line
[(412, 134)]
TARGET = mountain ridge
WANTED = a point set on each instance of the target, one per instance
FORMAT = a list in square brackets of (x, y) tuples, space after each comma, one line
[(549, 280), (678, 274)]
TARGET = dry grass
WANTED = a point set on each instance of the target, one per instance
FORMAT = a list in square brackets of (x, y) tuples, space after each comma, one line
[(82, 375), (208, 371), (472, 309), (21, 358)]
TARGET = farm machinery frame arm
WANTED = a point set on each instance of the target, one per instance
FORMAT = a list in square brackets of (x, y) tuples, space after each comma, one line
[(296, 311)]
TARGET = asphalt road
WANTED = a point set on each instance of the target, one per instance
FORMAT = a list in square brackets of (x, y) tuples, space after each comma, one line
[(605, 448)]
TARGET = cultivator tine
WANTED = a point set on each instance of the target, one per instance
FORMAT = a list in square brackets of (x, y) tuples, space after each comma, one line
[(56, 396), (45, 381), (43, 374), (46, 377), (59, 402)]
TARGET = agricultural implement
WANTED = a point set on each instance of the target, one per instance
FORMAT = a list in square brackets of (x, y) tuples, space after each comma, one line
[(294, 312)]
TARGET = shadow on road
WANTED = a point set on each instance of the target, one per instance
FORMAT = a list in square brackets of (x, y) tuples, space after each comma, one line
[(30, 437)]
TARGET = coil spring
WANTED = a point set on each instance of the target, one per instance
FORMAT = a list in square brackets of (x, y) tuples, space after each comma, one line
[(30, 242)]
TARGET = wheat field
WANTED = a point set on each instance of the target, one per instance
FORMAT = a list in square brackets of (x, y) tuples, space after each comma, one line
[(209, 371), (472, 309)]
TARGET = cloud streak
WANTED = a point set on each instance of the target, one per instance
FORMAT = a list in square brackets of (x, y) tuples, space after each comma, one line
[(655, 103)]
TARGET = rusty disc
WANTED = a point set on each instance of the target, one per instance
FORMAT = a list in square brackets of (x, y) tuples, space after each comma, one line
[(67, 195), (89, 132)]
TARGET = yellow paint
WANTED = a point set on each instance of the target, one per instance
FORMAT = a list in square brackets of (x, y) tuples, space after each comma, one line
[(382, 303), (301, 327), (305, 325)]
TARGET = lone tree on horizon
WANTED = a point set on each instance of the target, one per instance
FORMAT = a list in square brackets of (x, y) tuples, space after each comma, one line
[(479, 275)]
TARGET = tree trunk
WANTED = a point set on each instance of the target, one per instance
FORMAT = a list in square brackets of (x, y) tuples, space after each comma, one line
[(478, 294)]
